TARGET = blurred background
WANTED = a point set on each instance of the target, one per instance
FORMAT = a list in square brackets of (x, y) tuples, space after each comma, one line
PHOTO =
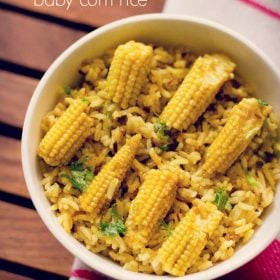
[(32, 34)]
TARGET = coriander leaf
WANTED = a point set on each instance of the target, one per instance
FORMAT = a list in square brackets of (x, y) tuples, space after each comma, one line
[(262, 102), (84, 99), (114, 212), (251, 180), (164, 148), (79, 176), (222, 199), (76, 166), (68, 90), (161, 128), (120, 227), (166, 227), (116, 226), (111, 229), (103, 226)]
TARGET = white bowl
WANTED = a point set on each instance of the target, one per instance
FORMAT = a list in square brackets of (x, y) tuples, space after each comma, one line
[(201, 36)]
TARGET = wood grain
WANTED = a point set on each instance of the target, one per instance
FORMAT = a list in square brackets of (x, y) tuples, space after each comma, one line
[(25, 239), (96, 15), (15, 93), (32, 42), (11, 176), (11, 276)]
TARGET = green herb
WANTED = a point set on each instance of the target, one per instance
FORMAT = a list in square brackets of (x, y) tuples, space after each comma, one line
[(222, 199), (84, 99), (262, 103), (111, 229), (77, 166), (79, 176), (164, 148), (103, 226), (116, 226), (114, 213), (251, 179), (166, 227), (161, 128), (68, 90)]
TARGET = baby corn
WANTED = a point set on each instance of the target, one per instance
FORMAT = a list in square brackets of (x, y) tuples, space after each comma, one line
[(198, 89), (150, 206), (104, 186), (182, 248), (244, 122), (67, 135), (128, 71)]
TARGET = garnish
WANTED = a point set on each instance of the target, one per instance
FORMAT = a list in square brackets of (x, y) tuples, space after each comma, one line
[(250, 178), (222, 199), (262, 102), (166, 227), (164, 148), (116, 226), (79, 176), (111, 229), (161, 129), (68, 90), (84, 99)]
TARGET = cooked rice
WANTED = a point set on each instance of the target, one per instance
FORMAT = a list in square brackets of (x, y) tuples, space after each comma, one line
[(113, 125)]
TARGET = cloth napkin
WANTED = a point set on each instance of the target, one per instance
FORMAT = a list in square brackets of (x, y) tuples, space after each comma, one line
[(259, 21)]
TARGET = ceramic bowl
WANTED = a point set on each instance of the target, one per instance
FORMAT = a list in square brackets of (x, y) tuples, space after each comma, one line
[(168, 30)]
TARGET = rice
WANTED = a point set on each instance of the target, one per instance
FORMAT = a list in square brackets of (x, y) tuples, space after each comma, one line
[(113, 125)]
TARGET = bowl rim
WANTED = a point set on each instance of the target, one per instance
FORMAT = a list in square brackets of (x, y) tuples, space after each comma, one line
[(57, 231)]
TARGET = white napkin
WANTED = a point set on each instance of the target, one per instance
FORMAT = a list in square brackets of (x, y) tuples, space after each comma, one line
[(257, 20)]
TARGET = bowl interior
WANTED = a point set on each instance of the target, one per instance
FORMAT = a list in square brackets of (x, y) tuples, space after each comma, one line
[(167, 30)]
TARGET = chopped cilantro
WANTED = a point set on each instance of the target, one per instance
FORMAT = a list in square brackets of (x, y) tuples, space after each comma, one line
[(166, 227), (84, 99), (262, 103), (77, 166), (116, 226), (251, 179), (114, 212), (222, 199), (68, 90), (103, 226), (164, 148), (79, 176), (161, 128), (111, 229)]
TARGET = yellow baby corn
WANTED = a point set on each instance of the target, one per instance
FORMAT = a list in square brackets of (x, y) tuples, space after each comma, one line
[(182, 248), (244, 122), (198, 89), (67, 135), (128, 71), (211, 220), (104, 186), (150, 206)]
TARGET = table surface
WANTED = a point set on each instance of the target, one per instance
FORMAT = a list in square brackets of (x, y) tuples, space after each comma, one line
[(30, 40)]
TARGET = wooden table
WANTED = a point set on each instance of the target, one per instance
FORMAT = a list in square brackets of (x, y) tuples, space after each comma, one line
[(30, 39)]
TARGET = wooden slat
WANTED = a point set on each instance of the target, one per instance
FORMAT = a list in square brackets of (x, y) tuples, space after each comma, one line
[(15, 93), (96, 15), (32, 42), (26, 240), (11, 176), (11, 276)]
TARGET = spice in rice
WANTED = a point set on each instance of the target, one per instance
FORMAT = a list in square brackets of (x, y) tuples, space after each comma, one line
[(137, 165)]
